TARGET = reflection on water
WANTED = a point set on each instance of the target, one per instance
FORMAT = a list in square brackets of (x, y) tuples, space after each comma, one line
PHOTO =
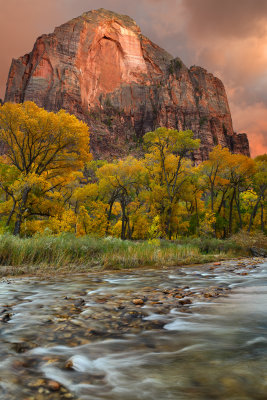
[(85, 333)]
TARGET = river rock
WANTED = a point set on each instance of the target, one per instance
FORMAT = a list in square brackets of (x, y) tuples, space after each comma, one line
[(6, 317), (138, 302), (79, 302), (258, 252), (53, 385), (69, 364), (185, 301)]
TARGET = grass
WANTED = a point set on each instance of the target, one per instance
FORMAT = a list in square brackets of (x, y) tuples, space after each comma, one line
[(67, 253)]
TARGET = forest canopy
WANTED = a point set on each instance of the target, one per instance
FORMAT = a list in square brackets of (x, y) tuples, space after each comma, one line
[(50, 184)]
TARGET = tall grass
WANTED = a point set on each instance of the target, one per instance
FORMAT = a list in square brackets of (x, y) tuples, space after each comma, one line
[(81, 253), (146, 254)]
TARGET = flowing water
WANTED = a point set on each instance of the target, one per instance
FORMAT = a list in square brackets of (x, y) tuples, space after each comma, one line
[(195, 333)]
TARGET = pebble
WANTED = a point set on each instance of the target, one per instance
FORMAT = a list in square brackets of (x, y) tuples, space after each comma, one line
[(77, 322), (17, 364), (138, 302), (53, 385), (37, 383), (6, 317), (69, 364), (185, 301), (79, 302)]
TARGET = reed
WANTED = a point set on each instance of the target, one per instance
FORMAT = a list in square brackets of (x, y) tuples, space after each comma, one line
[(69, 253)]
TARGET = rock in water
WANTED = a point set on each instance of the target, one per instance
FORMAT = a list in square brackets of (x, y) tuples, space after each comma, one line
[(258, 252), (79, 303), (6, 317), (138, 302), (53, 385), (102, 69)]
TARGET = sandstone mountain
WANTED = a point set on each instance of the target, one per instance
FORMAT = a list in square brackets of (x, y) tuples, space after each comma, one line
[(102, 69)]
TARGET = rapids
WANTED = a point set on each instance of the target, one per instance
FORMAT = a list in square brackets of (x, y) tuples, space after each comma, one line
[(197, 333)]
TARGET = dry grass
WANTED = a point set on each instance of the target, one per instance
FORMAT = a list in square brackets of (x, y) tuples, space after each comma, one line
[(247, 240), (66, 253)]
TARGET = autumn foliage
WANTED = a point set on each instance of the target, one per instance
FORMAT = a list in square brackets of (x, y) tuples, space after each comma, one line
[(44, 156), (50, 184)]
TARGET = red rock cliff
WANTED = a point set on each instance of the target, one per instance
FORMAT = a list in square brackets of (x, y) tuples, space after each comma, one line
[(101, 68)]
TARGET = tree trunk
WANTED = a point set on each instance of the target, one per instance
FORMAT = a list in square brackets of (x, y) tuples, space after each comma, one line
[(22, 207), (123, 221), (168, 223), (197, 216), (238, 209), (11, 213), (224, 216), (109, 217), (253, 214), (262, 217), (222, 202), (129, 229), (231, 214), (212, 197)]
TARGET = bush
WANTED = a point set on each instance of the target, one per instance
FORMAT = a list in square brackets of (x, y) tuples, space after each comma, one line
[(247, 240)]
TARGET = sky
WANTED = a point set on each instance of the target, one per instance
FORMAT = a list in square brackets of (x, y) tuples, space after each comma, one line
[(228, 38)]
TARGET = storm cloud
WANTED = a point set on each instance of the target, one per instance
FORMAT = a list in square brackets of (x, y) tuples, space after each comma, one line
[(228, 38)]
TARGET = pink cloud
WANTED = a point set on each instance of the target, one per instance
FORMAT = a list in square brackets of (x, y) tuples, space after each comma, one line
[(228, 38)]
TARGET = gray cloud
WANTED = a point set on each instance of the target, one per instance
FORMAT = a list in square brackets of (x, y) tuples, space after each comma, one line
[(231, 18)]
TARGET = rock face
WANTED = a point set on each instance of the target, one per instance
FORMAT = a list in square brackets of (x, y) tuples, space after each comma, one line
[(102, 69)]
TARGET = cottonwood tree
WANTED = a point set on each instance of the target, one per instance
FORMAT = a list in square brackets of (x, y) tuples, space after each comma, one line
[(212, 173), (168, 167), (121, 182), (45, 151), (259, 184), (240, 170)]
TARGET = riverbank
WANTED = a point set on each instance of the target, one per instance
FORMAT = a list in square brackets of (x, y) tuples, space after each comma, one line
[(46, 255)]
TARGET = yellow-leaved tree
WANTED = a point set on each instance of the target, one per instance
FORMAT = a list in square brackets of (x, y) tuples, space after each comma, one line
[(122, 182), (259, 184), (168, 170), (44, 153)]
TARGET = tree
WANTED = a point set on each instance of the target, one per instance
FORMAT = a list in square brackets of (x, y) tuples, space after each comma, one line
[(168, 167), (46, 149), (240, 170), (121, 182), (212, 172), (259, 183)]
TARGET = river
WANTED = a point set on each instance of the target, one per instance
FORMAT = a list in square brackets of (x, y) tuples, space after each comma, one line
[(189, 333)]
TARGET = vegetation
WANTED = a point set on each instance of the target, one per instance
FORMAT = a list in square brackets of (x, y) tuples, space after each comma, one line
[(49, 185), (175, 66), (67, 252), (44, 154)]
